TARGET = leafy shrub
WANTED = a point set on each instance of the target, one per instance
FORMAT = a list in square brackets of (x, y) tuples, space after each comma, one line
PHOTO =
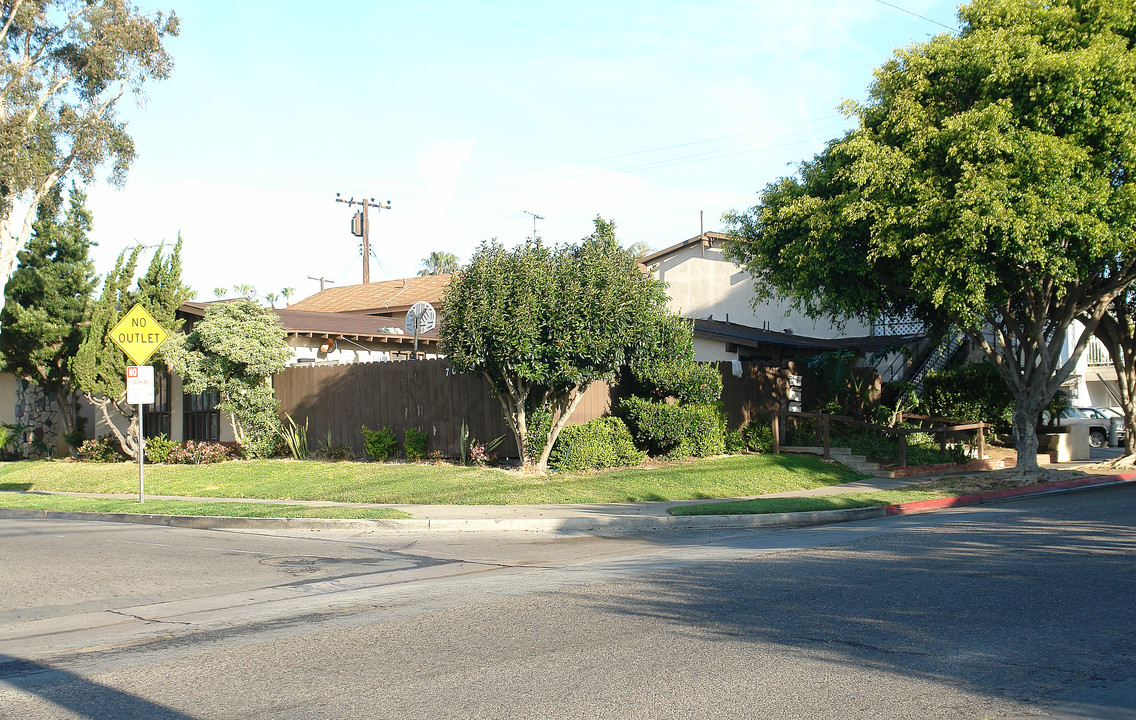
[(75, 436), (539, 424), (199, 453), (481, 454), (10, 439), (757, 435), (675, 431), (101, 449), (974, 392), (158, 448), (380, 444), (414, 444), (799, 433), (338, 452), (601, 443), (733, 441), (687, 382)]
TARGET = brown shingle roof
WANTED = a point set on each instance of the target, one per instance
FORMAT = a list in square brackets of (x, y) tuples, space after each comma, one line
[(377, 297), (359, 326)]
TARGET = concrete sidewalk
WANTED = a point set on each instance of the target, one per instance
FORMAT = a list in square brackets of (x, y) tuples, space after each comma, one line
[(587, 517)]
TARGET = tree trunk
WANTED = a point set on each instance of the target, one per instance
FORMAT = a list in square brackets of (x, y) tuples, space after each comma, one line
[(1027, 409), (567, 406), (129, 439), (68, 410)]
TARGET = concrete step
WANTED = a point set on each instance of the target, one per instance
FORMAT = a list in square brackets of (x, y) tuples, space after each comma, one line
[(803, 449), (848, 458), (883, 473)]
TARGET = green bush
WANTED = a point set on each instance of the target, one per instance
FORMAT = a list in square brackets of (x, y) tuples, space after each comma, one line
[(338, 452), (757, 435), (733, 442), (199, 453), (675, 431), (687, 382), (601, 443), (414, 444), (800, 432), (539, 423), (974, 392), (380, 444), (103, 449), (158, 448)]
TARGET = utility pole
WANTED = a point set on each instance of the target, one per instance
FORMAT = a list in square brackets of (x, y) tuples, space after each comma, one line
[(322, 280), (535, 217), (361, 227)]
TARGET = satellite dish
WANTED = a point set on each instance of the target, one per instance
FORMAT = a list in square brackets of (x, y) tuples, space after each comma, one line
[(421, 318)]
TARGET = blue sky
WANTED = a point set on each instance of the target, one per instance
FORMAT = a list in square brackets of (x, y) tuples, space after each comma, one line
[(464, 115)]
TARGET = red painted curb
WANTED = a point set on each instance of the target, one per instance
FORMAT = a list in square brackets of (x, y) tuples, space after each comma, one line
[(995, 495), (929, 505)]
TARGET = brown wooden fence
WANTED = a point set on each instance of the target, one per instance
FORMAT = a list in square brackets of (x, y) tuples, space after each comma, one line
[(754, 390), (427, 395)]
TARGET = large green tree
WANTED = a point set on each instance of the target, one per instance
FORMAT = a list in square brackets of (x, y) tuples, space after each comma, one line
[(66, 65), (541, 324), (1117, 332), (987, 186), (99, 366), (236, 349), (47, 302)]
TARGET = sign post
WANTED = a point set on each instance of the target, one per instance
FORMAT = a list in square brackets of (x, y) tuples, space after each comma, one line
[(138, 334)]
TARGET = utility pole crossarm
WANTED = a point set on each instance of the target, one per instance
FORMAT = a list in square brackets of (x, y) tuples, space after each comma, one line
[(365, 231)]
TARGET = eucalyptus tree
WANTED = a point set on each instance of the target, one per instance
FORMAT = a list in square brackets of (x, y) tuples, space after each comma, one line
[(986, 186), (542, 324), (66, 65)]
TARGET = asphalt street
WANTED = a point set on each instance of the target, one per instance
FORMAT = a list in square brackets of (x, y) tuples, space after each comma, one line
[(1010, 611)]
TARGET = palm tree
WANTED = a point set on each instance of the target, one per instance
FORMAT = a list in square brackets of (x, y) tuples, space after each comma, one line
[(245, 290), (287, 294), (220, 292), (439, 263), (271, 298), (640, 250)]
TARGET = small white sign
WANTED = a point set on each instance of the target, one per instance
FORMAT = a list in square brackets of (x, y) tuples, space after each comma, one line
[(140, 385)]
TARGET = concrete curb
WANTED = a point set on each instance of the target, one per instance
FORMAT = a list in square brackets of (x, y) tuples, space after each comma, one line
[(597, 523), (1084, 483)]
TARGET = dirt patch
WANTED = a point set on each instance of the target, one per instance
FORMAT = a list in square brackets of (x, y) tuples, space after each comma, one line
[(999, 480)]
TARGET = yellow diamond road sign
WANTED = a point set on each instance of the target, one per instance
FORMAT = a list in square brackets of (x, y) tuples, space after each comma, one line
[(138, 334)]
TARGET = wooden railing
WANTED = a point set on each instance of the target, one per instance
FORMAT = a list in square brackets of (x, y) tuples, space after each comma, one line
[(824, 421)]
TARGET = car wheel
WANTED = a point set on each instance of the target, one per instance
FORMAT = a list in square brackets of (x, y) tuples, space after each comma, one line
[(1098, 438)]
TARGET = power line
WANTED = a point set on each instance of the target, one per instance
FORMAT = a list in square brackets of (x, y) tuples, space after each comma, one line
[(710, 155), (659, 149), (921, 17)]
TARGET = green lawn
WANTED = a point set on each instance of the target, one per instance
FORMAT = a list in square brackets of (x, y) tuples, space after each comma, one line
[(188, 507), (393, 483)]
